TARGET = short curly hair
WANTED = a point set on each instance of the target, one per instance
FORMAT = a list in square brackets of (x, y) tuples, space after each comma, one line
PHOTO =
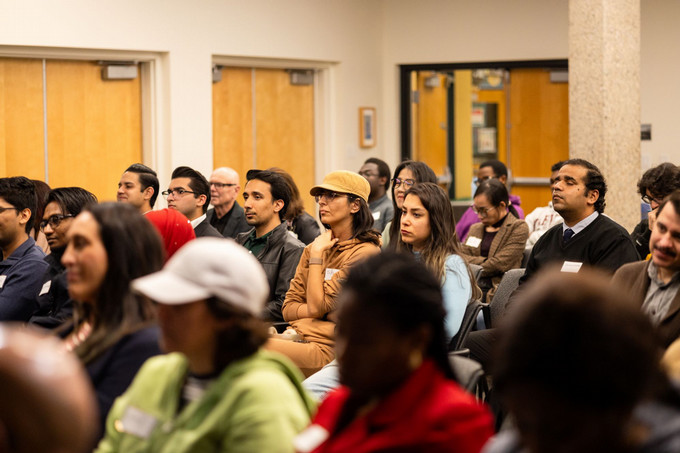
[(660, 181)]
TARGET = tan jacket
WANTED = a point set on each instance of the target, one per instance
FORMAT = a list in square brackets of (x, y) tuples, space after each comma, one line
[(340, 257), (506, 252)]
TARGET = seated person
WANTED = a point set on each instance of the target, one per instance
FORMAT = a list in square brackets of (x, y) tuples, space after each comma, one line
[(312, 298), (543, 218), (216, 390), (399, 392), (579, 393), (175, 229), (497, 242)]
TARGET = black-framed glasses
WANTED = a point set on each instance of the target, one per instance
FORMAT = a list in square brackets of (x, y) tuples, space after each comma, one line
[(220, 185), (482, 212), (178, 192), (54, 221), (408, 183), (329, 196), (3, 209), (647, 199), (485, 178)]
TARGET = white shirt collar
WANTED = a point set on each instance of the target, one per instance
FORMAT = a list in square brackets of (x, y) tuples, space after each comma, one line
[(197, 221)]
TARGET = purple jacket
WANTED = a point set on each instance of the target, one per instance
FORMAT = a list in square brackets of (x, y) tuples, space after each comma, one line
[(469, 218)]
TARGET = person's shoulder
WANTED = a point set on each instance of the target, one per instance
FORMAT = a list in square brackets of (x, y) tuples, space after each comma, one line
[(631, 269), (144, 340), (606, 223), (454, 261)]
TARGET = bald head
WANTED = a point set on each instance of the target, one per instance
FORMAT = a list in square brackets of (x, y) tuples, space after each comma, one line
[(224, 188), (46, 399)]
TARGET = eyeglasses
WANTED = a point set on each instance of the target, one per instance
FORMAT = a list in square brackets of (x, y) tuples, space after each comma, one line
[(408, 183), (485, 178), (219, 185), (177, 193), (482, 212), (3, 209), (647, 199), (327, 197), (54, 221)]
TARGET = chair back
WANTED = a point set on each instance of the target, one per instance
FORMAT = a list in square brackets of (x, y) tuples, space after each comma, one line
[(466, 326), (506, 287), (468, 372)]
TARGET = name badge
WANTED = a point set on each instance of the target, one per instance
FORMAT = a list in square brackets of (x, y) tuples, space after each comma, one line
[(376, 215), (309, 439), (473, 242), (2, 280), (136, 422), (330, 273), (45, 288), (571, 266)]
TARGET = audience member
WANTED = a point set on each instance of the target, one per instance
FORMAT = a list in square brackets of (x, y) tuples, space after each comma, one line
[(654, 283), (491, 169), (46, 401), (217, 390), (399, 392), (226, 214), (377, 173), (311, 301), (113, 330), (655, 185), (23, 263), (543, 218), (174, 228), (303, 225), (139, 187), (62, 206), (406, 175), (187, 181), (587, 392), (41, 191), (266, 201), (497, 242)]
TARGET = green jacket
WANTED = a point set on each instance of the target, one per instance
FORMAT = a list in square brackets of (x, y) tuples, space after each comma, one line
[(257, 405)]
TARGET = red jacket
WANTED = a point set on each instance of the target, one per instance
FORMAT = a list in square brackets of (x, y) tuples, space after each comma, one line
[(428, 413)]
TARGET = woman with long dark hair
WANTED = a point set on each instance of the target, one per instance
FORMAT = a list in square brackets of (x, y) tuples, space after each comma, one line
[(113, 330), (406, 175), (497, 242), (399, 392), (428, 230), (311, 301)]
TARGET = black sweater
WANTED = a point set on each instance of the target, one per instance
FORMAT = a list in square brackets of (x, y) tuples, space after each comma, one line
[(604, 244)]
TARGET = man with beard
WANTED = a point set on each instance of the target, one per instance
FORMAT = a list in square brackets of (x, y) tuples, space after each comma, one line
[(62, 206), (654, 283)]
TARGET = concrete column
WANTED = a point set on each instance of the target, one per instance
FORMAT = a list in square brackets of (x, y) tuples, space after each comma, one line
[(604, 97)]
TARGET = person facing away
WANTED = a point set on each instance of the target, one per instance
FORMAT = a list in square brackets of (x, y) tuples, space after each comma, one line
[(23, 263), (497, 242), (174, 228), (655, 185), (226, 215), (62, 206), (189, 193), (398, 391), (216, 389), (266, 199), (654, 283), (377, 173), (490, 169), (543, 218), (139, 187), (406, 175), (578, 393)]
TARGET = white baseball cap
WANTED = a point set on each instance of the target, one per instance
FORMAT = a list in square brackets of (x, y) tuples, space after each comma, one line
[(208, 267)]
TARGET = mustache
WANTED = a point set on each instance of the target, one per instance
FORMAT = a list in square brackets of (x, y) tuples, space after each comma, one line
[(666, 251)]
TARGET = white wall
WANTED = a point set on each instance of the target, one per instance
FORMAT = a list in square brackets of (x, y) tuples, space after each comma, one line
[(659, 82)]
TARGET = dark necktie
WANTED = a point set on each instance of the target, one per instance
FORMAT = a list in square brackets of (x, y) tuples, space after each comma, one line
[(568, 233)]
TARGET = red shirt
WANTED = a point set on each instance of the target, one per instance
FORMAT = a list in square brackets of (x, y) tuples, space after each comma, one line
[(428, 413)]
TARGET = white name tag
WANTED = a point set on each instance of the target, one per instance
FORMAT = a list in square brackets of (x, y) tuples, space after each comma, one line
[(2, 280), (376, 215), (571, 266), (310, 438), (330, 273), (473, 241), (45, 288), (137, 422)]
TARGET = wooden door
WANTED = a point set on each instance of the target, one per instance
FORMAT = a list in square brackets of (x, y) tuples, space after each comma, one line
[(22, 146), (94, 127), (431, 124), (539, 131), (282, 133)]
